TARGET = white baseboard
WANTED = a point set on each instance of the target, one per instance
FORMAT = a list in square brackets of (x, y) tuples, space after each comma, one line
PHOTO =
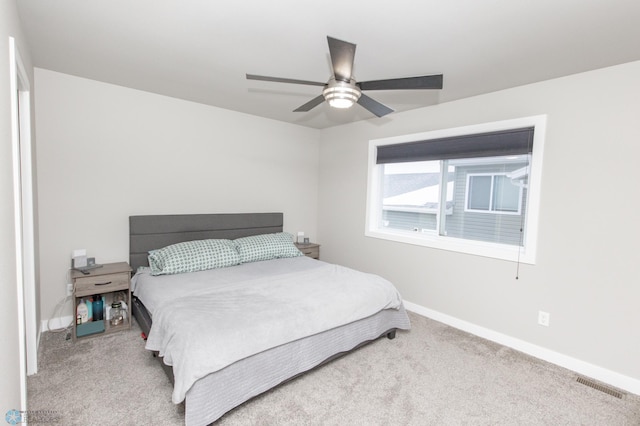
[(56, 323), (612, 378)]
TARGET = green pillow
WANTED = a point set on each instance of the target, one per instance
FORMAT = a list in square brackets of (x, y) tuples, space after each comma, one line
[(192, 256), (266, 247)]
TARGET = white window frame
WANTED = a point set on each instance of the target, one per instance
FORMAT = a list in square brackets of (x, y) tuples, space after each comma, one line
[(526, 254), (491, 194)]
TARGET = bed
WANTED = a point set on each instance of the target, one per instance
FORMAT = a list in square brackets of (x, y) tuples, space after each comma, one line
[(249, 346)]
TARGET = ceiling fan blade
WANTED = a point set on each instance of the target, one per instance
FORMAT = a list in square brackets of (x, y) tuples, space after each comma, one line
[(374, 106), (283, 80), (342, 54), (310, 105), (410, 83)]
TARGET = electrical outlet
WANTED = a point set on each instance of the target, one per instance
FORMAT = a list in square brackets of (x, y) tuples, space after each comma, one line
[(543, 318), (69, 289)]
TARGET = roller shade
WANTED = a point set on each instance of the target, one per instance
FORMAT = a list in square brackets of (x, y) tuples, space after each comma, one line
[(493, 144)]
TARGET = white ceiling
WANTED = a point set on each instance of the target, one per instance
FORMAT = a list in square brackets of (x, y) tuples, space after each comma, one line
[(200, 50)]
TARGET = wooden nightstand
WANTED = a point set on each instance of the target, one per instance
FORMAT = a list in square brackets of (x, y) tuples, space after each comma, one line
[(309, 249), (105, 281)]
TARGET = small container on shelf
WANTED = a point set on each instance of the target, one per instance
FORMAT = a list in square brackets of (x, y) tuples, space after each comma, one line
[(97, 308), (82, 312), (116, 315)]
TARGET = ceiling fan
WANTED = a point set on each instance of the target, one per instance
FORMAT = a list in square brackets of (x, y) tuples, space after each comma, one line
[(342, 90)]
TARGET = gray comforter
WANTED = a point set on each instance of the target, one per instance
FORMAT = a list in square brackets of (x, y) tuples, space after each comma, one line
[(217, 319)]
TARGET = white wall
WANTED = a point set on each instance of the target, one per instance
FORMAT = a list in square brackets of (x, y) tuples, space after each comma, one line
[(107, 152), (588, 264), (9, 357)]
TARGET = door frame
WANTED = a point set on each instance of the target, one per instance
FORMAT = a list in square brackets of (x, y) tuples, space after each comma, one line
[(24, 216)]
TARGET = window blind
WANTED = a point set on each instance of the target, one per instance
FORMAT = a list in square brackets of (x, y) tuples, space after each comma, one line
[(492, 144)]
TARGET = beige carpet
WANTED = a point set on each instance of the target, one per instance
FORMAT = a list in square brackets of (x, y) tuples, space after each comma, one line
[(432, 375)]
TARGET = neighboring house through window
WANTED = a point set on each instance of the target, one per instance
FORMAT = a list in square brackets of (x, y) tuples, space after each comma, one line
[(473, 189), (493, 193)]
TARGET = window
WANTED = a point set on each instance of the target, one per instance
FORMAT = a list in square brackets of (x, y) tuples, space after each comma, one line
[(473, 189), (493, 193)]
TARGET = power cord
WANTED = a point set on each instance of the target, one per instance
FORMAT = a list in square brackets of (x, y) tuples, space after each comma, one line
[(58, 311)]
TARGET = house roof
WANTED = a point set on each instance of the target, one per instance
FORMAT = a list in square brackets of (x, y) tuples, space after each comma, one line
[(402, 183)]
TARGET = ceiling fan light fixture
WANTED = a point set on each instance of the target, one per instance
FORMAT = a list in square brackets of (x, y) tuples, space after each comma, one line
[(342, 90), (341, 94)]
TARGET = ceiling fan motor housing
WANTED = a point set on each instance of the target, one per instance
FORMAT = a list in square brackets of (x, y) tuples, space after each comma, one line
[(341, 94)]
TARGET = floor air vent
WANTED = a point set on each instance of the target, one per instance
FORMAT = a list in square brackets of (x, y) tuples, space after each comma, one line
[(600, 387)]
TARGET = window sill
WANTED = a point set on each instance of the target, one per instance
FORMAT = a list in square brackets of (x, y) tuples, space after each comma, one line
[(477, 248)]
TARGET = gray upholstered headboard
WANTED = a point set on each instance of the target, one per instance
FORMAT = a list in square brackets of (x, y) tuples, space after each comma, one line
[(157, 231)]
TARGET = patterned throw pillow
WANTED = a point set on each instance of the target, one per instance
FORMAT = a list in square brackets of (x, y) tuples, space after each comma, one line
[(266, 247), (192, 256)]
